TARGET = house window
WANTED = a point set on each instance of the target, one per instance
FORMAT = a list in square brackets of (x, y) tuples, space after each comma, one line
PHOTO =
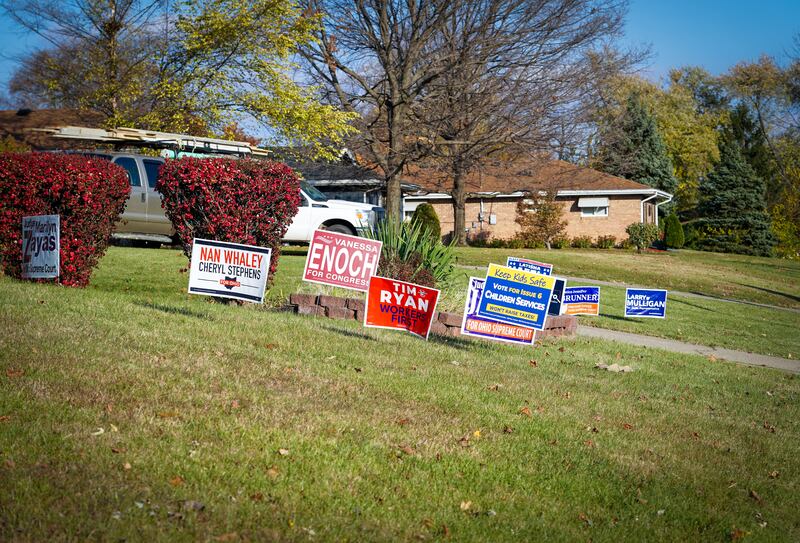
[(593, 207)]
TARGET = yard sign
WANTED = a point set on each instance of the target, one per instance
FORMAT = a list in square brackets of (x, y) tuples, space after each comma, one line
[(582, 301), (473, 325), (516, 296), (41, 245), (557, 297), (341, 260), (229, 270), (645, 303), (400, 305), (529, 265)]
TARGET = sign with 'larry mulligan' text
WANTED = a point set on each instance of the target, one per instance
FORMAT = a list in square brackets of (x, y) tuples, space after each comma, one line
[(516, 296), (341, 260), (400, 305), (229, 270), (475, 326), (641, 302), (41, 246)]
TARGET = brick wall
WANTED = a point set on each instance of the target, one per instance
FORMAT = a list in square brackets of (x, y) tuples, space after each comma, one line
[(622, 211)]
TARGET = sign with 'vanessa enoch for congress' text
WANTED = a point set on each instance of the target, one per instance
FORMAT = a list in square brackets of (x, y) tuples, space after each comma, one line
[(400, 305), (341, 260), (641, 302), (229, 270)]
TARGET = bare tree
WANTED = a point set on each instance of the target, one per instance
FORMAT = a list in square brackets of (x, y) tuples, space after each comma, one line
[(377, 58), (517, 86)]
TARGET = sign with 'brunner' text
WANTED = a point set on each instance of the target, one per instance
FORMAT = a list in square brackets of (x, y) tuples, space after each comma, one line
[(582, 301), (516, 296), (400, 305), (473, 325), (641, 302), (41, 246), (341, 260), (229, 270)]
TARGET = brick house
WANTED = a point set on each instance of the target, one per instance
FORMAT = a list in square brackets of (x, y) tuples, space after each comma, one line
[(595, 203)]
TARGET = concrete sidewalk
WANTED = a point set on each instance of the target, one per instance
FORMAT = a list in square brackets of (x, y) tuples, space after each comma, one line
[(742, 357)]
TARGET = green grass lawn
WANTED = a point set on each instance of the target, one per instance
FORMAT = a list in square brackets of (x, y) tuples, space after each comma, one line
[(131, 410), (763, 280)]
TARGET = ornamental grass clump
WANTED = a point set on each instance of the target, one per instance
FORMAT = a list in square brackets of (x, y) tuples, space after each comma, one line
[(240, 201), (411, 254), (88, 194)]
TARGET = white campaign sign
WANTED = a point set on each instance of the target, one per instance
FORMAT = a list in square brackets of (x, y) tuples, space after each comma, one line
[(41, 244), (229, 270)]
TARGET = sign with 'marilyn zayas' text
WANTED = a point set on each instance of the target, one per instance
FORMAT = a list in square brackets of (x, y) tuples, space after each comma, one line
[(400, 305), (341, 260), (229, 270), (516, 296), (640, 302), (41, 246)]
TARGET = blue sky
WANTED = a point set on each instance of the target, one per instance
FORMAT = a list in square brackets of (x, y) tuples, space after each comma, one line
[(715, 34)]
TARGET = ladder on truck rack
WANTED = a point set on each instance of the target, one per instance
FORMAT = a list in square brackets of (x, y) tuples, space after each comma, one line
[(156, 140)]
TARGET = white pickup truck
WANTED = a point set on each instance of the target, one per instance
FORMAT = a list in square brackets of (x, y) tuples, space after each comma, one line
[(144, 218)]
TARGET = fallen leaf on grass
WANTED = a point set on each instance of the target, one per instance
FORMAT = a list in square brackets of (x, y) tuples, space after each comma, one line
[(403, 422), (271, 346), (589, 443), (525, 411), (774, 474), (464, 441), (508, 429), (476, 434), (561, 349), (283, 452), (176, 481), (13, 373), (358, 370), (466, 505), (753, 494), (10, 464), (494, 387), (627, 426), (99, 432), (114, 428), (126, 466), (257, 497), (232, 536), (769, 427), (5, 418), (445, 531), (192, 505), (272, 472), (408, 450), (117, 450), (235, 404), (711, 358), (533, 363), (736, 534), (167, 415), (586, 520)]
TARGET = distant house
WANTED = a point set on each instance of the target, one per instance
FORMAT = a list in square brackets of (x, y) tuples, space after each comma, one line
[(595, 203)]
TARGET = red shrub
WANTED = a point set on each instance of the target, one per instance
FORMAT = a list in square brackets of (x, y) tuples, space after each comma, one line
[(88, 193), (241, 201)]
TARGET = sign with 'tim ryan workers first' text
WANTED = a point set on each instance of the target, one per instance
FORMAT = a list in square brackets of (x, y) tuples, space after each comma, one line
[(229, 270), (400, 305)]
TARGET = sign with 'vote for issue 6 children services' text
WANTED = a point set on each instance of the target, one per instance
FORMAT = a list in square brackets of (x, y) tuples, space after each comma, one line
[(529, 265), (41, 246), (341, 260), (475, 326), (229, 270), (516, 296), (400, 305), (645, 303), (582, 301)]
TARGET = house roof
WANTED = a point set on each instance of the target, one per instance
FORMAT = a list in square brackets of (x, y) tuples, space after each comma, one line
[(507, 177), (15, 123)]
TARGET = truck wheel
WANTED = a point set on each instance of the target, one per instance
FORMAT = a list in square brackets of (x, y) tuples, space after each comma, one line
[(339, 229)]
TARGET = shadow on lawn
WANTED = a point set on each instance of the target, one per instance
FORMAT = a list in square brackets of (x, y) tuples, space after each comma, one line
[(174, 310), (775, 292), (684, 302), (348, 333)]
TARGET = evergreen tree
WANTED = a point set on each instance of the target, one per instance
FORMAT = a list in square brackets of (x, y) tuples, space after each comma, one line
[(744, 130), (673, 232), (631, 147), (732, 206)]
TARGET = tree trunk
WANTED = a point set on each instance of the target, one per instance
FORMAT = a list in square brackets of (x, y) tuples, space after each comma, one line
[(459, 207), (394, 199)]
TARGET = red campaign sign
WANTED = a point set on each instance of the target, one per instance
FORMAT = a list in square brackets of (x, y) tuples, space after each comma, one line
[(341, 260), (400, 305)]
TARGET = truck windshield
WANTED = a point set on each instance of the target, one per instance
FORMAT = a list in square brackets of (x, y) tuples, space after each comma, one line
[(312, 192)]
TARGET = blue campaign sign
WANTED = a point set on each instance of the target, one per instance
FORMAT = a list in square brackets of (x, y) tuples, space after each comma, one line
[(558, 297), (529, 265), (582, 301), (645, 303), (516, 297)]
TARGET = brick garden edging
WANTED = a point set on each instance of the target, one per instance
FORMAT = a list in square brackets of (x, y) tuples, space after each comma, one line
[(445, 324)]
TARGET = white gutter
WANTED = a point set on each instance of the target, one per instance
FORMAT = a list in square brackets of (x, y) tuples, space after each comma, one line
[(517, 194), (668, 200), (641, 208)]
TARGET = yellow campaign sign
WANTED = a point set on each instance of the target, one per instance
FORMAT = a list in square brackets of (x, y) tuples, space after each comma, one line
[(521, 276), (516, 297)]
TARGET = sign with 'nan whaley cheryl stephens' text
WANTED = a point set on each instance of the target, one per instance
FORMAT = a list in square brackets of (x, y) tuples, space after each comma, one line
[(229, 270), (641, 302), (341, 260), (473, 325), (400, 305), (41, 246), (516, 296)]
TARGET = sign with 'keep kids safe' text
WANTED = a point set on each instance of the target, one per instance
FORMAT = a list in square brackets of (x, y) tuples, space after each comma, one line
[(229, 270), (516, 296), (400, 305), (641, 302), (341, 260)]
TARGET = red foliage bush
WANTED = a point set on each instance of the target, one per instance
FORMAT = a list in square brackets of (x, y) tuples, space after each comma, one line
[(241, 201), (88, 193)]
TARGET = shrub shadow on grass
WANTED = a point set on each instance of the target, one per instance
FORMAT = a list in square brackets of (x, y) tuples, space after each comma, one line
[(775, 292), (349, 333), (455, 342), (174, 310), (684, 302)]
